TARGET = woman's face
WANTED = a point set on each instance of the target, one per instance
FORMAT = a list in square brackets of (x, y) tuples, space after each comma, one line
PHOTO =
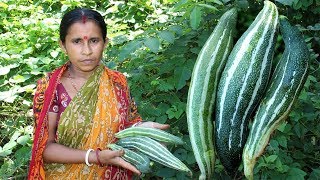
[(84, 45)]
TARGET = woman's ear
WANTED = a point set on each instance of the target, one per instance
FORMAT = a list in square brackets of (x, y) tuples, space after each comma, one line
[(63, 47)]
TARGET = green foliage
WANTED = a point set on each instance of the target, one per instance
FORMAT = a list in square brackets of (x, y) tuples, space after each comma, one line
[(155, 43)]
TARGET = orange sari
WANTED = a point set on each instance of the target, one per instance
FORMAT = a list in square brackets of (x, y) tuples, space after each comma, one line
[(100, 109)]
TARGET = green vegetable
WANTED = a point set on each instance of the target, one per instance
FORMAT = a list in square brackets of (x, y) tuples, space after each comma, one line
[(139, 160), (153, 133), (154, 150), (286, 83), (202, 91), (242, 84)]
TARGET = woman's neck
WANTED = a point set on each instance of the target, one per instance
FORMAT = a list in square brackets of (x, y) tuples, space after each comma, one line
[(78, 74)]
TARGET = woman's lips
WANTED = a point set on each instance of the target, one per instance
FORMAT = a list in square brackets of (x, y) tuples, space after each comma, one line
[(88, 61)]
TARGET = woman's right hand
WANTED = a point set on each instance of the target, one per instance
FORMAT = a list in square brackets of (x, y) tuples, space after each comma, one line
[(109, 157)]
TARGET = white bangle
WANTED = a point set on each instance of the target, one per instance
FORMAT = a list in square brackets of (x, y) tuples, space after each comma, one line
[(87, 157)]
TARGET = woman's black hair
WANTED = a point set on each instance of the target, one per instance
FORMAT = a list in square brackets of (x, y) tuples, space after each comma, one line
[(81, 15)]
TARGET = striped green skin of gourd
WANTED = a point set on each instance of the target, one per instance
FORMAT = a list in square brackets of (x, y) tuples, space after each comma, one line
[(154, 150), (139, 160), (153, 133), (285, 86), (242, 85), (201, 96)]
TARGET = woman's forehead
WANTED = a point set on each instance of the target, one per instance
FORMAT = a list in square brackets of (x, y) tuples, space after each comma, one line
[(89, 28)]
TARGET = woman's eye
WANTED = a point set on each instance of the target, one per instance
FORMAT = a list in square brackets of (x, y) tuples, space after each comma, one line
[(76, 41), (94, 41)]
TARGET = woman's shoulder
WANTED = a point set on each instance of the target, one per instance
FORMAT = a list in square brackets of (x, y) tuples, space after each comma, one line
[(117, 77)]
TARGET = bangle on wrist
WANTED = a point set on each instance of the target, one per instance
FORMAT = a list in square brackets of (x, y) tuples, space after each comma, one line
[(87, 157), (98, 159)]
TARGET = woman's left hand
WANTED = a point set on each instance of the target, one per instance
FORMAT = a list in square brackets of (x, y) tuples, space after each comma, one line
[(156, 125)]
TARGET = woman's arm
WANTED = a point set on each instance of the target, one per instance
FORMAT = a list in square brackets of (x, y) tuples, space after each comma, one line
[(151, 124), (57, 153)]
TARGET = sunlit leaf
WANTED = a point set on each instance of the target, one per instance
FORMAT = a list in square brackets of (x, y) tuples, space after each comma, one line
[(3, 5), (27, 51), (4, 70), (15, 135), (17, 79), (28, 88), (9, 96), (9, 145), (64, 8), (23, 139), (54, 54)]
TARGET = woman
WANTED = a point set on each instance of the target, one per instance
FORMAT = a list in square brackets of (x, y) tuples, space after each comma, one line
[(80, 106)]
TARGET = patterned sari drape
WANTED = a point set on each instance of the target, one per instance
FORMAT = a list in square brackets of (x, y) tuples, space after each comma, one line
[(101, 108)]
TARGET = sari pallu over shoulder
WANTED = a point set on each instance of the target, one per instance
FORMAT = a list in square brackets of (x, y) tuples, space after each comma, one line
[(43, 98)]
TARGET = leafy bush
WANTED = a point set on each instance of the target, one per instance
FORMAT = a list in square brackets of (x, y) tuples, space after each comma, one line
[(155, 44)]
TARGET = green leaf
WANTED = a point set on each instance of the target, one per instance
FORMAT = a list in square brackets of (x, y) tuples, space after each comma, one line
[(165, 172), (153, 44), (129, 48), (4, 70), (315, 174), (282, 127), (22, 155), (23, 139), (64, 8), (165, 86), (212, 8), (5, 152), (15, 135), (167, 36), (295, 173), (17, 79), (195, 17), (9, 145), (7, 169), (177, 29), (7, 148), (162, 119), (28, 88), (3, 5), (190, 158), (282, 141), (215, 1), (181, 154), (286, 2), (27, 51), (271, 158), (9, 96), (54, 54), (181, 75)]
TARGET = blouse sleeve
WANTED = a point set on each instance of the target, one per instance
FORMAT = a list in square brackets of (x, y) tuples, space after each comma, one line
[(54, 106)]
